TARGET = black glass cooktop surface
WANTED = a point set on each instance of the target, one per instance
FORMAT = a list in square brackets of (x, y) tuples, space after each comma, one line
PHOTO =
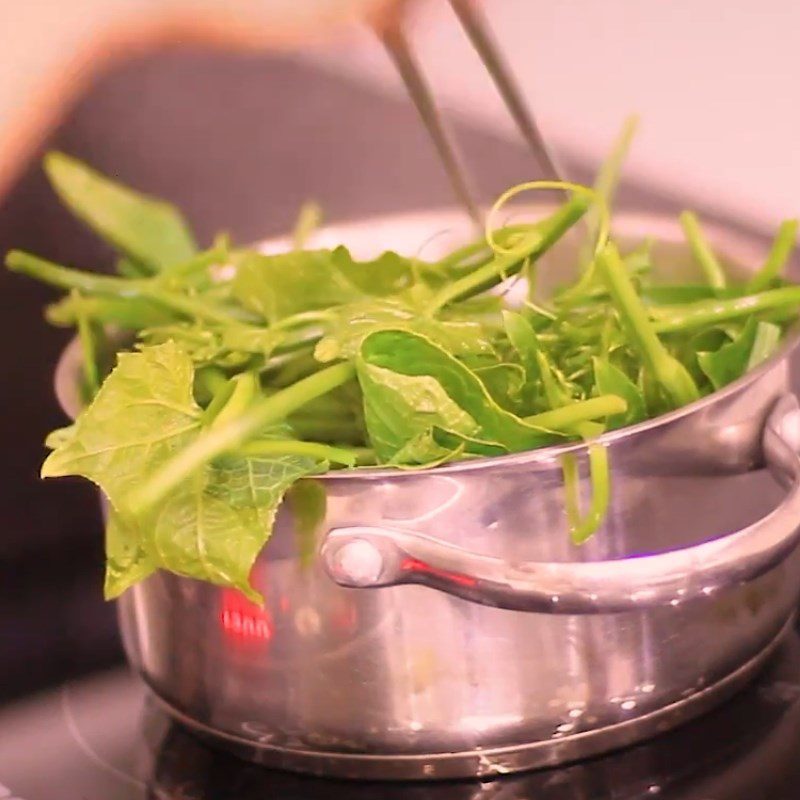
[(104, 739)]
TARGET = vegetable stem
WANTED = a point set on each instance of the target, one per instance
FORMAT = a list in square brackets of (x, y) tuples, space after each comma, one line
[(88, 348), (213, 386), (66, 278), (302, 318), (199, 263), (673, 318), (605, 185), (568, 416), (479, 247), (785, 241), (702, 250), (583, 529), (191, 307), (531, 246), (569, 469), (244, 388), (235, 433), (293, 447), (765, 343), (668, 371), (308, 220)]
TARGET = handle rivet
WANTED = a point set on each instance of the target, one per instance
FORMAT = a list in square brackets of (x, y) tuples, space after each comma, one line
[(357, 562)]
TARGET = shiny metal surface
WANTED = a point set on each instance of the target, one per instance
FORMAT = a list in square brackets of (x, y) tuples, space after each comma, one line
[(333, 679), (362, 557), (491, 761)]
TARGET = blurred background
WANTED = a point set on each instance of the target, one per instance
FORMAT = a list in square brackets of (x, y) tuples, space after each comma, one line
[(241, 122)]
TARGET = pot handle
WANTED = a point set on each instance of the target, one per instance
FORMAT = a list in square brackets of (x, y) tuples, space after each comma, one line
[(366, 557)]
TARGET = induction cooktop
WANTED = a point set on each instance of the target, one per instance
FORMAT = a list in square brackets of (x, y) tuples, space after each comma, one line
[(105, 739)]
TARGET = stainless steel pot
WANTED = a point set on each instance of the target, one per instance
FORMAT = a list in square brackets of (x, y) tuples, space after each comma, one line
[(447, 627)]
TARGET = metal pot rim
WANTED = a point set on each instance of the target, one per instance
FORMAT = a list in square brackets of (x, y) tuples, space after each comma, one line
[(66, 394)]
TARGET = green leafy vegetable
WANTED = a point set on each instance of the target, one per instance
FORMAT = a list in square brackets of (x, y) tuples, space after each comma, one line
[(87, 336), (581, 528), (308, 220), (279, 286), (785, 242), (351, 323), (401, 411), (242, 376), (150, 232), (523, 339), (308, 501), (756, 342), (672, 376), (152, 392), (612, 380), (702, 250)]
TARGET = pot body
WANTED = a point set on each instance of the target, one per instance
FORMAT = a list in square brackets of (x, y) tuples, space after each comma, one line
[(407, 681), (332, 679)]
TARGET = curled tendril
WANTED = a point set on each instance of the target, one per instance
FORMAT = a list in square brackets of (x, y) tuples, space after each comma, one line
[(604, 216)]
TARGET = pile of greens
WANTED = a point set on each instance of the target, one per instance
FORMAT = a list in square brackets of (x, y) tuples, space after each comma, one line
[(246, 372)]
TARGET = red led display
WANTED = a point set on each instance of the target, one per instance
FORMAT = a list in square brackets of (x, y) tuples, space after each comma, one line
[(244, 620)]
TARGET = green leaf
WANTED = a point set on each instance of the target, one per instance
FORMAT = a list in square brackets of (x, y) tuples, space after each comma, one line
[(199, 534), (556, 387), (149, 231), (251, 339), (399, 408), (472, 445), (523, 339), (127, 558), (612, 380), (424, 451), (448, 385), (352, 323), (732, 360), (711, 339), (128, 268), (259, 482), (143, 413), (214, 525), (280, 286), (504, 382)]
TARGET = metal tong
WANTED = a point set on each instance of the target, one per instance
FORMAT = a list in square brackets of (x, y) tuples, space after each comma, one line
[(397, 45)]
